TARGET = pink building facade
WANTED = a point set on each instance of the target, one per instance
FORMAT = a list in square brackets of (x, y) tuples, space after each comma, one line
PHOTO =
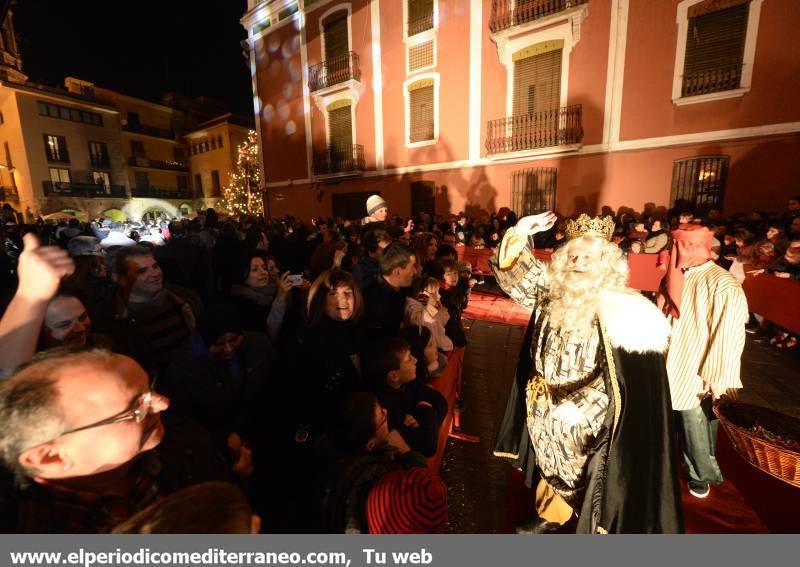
[(474, 105)]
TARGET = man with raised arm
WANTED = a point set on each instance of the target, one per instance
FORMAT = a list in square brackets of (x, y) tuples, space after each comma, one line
[(589, 412)]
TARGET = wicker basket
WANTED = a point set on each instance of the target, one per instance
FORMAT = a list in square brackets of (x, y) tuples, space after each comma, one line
[(737, 419)]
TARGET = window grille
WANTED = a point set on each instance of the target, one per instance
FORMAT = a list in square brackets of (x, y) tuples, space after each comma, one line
[(420, 16), (420, 56), (698, 184), (533, 190)]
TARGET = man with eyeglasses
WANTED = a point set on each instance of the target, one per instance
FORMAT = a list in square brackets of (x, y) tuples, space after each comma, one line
[(76, 431)]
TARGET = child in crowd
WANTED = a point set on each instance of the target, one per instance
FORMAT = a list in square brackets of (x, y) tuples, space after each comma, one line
[(414, 409), (454, 293), (424, 307), (430, 362)]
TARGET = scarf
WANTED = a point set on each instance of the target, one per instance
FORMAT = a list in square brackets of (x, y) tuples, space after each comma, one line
[(258, 295), (692, 247)]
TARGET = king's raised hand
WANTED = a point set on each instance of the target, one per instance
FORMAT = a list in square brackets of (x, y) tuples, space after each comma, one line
[(534, 224)]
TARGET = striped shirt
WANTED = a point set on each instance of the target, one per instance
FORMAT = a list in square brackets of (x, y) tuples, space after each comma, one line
[(163, 325), (708, 338)]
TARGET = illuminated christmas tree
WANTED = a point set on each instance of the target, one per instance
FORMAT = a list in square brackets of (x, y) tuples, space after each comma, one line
[(243, 195)]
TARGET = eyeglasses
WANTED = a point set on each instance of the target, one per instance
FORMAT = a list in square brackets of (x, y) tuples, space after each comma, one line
[(139, 410), (382, 422)]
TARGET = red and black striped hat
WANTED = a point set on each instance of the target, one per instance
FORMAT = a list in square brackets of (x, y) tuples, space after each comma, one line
[(407, 502)]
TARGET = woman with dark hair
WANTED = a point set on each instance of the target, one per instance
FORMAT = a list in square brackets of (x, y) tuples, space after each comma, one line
[(425, 249), (262, 296), (331, 346)]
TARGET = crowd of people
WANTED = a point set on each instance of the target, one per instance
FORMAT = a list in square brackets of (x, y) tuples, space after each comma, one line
[(295, 360)]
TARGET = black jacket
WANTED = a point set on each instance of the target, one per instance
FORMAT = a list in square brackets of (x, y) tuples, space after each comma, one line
[(404, 401), (329, 363), (384, 309)]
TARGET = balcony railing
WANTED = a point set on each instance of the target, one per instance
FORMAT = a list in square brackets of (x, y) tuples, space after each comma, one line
[(420, 24), (8, 194), (507, 13), (712, 80), (161, 193), (100, 163), (149, 131), (337, 159), (138, 161), (549, 128), (84, 190), (333, 71)]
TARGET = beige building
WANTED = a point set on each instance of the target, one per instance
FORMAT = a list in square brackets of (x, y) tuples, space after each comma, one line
[(212, 149), (61, 150), (90, 151)]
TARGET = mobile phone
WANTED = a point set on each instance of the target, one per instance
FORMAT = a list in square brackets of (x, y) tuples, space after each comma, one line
[(296, 279)]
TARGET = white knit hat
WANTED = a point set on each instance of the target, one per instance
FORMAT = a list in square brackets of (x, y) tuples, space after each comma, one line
[(376, 203)]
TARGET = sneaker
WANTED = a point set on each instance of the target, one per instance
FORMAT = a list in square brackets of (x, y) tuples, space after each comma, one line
[(699, 489)]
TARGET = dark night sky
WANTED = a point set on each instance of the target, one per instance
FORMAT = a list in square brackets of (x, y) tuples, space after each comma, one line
[(143, 47)]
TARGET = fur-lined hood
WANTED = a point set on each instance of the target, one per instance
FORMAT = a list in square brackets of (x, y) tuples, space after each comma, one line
[(633, 323)]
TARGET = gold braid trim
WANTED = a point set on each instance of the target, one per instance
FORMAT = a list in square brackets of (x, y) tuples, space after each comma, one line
[(612, 370), (505, 455)]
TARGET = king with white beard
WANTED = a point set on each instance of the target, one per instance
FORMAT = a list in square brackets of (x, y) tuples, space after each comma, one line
[(589, 413)]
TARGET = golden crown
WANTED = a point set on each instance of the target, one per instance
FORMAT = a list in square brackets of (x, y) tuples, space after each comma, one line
[(585, 225)]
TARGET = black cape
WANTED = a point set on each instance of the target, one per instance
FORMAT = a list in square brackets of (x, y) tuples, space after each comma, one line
[(632, 469)]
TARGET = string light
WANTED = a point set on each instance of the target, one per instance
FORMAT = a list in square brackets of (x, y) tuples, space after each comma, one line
[(243, 196)]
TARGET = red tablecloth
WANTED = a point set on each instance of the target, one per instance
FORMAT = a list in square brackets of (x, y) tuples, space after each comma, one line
[(448, 385), (478, 257), (644, 274), (777, 299)]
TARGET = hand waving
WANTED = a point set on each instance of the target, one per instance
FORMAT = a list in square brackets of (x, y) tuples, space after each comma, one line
[(533, 224), (41, 269)]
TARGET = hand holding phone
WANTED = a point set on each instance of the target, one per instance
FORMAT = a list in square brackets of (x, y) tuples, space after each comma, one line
[(296, 279)]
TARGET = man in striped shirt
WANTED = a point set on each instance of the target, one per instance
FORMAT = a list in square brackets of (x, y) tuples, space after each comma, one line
[(708, 312)]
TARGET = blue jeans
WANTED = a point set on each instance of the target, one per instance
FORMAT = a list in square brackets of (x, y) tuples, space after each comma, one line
[(699, 441)]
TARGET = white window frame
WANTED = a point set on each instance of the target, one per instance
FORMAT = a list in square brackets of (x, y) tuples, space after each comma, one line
[(407, 109), (59, 171), (748, 57), (426, 33), (105, 176), (413, 42), (324, 16), (345, 95)]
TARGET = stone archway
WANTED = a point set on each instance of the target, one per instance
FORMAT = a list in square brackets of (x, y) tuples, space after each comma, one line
[(156, 213)]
